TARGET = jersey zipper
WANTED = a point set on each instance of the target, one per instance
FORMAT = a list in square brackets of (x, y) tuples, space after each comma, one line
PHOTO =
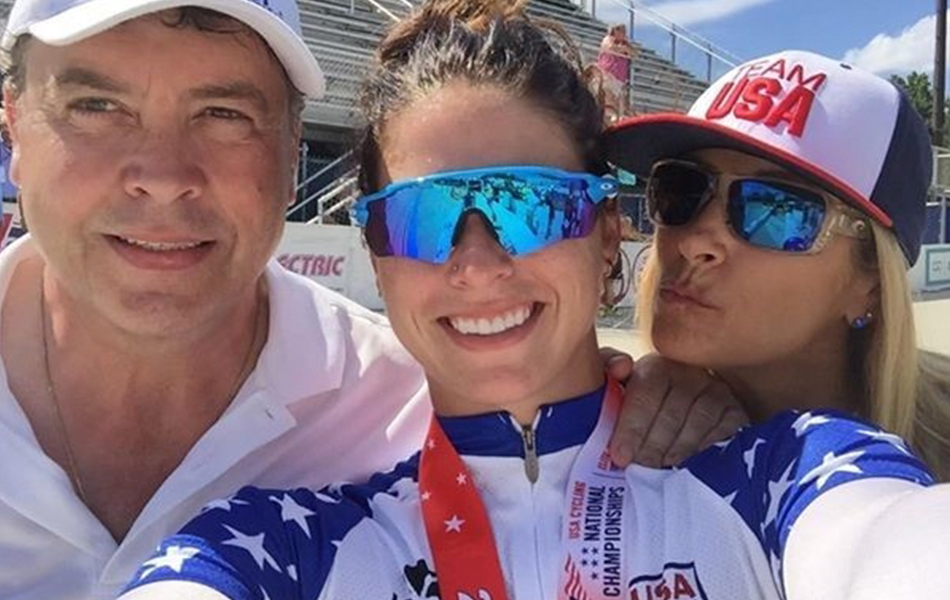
[(532, 470), (531, 466)]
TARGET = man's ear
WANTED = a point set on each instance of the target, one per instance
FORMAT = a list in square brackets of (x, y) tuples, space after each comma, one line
[(296, 134)]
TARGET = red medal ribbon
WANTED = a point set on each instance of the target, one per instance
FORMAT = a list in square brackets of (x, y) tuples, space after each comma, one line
[(459, 532)]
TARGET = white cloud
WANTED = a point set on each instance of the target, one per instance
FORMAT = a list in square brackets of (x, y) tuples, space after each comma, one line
[(687, 13), (910, 50)]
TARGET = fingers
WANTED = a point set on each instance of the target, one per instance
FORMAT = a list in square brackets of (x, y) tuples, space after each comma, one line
[(715, 415), (672, 411), (618, 364), (680, 422), (645, 395), (733, 419), (704, 415)]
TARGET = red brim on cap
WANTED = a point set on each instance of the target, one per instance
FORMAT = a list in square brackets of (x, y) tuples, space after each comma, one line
[(635, 143)]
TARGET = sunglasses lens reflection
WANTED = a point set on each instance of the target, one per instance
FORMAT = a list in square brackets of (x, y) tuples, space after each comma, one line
[(775, 216), (527, 209)]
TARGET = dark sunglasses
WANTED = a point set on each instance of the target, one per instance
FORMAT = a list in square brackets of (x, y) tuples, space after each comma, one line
[(766, 213)]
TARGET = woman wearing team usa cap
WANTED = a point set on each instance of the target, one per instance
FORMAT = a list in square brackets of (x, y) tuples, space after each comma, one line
[(492, 227), (789, 203)]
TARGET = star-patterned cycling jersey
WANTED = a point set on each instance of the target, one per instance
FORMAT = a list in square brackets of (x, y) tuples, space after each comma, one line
[(714, 529)]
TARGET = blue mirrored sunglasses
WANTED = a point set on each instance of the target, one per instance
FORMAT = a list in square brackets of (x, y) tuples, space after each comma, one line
[(767, 213), (528, 208)]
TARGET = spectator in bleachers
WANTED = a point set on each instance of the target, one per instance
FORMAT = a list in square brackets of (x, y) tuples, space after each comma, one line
[(614, 60)]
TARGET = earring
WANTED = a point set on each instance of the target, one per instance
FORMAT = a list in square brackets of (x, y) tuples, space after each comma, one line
[(863, 321)]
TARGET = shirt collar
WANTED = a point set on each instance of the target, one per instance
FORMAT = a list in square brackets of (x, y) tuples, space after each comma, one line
[(305, 351), (557, 426)]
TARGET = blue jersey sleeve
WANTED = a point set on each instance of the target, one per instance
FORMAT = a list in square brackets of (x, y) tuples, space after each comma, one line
[(252, 546), (771, 473)]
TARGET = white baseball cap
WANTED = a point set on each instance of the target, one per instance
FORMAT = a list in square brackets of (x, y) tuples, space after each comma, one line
[(63, 22), (844, 129)]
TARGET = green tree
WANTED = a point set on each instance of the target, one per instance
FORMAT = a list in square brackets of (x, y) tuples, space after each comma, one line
[(920, 91)]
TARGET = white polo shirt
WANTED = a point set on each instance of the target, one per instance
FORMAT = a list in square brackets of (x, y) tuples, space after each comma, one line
[(326, 402)]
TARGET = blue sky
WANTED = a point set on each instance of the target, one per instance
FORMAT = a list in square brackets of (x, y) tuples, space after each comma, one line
[(884, 36)]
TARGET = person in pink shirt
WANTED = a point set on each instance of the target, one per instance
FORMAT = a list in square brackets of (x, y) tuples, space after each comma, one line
[(616, 54)]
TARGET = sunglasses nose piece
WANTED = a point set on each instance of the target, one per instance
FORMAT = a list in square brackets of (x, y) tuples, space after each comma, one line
[(470, 219)]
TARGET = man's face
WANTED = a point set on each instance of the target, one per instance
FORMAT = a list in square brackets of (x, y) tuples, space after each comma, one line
[(155, 165)]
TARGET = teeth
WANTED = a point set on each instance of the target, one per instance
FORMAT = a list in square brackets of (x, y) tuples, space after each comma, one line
[(485, 326), (161, 246)]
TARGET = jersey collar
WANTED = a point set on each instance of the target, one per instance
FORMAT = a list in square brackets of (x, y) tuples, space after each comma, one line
[(557, 426)]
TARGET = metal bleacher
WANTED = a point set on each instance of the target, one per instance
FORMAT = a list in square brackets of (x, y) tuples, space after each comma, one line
[(342, 35)]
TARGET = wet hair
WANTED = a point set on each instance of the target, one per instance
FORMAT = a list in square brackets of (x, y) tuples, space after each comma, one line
[(482, 43), (201, 19)]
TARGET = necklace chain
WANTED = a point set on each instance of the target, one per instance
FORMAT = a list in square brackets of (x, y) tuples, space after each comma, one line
[(71, 464), (70, 456)]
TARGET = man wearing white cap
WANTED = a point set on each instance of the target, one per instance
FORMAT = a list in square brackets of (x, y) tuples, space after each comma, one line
[(155, 356)]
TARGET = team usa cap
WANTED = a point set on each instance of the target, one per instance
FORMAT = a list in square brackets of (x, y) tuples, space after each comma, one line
[(63, 22), (845, 130)]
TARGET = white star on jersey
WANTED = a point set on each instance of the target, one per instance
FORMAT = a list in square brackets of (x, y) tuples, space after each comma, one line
[(326, 499), (777, 489), (461, 479), (253, 545), (805, 421), (224, 505), (454, 524), (832, 464), (336, 489), (174, 559), (749, 456), (891, 438), (291, 511)]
